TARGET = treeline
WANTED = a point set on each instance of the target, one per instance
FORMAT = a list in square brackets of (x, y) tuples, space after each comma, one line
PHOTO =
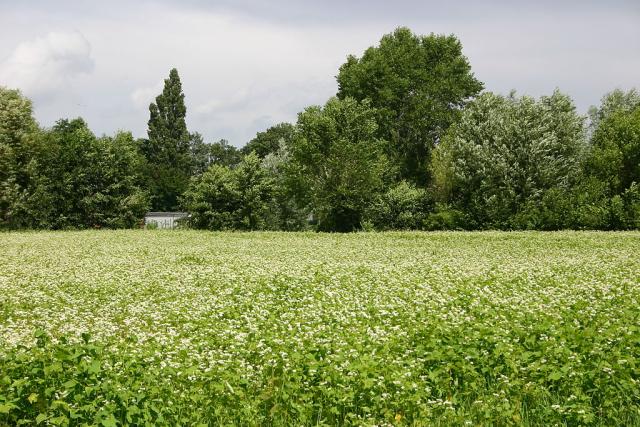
[(410, 141)]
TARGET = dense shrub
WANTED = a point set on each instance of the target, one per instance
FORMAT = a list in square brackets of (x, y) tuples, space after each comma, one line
[(505, 154), (402, 207), (223, 198)]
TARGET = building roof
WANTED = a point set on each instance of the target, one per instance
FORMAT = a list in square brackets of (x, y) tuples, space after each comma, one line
[(172, 214)]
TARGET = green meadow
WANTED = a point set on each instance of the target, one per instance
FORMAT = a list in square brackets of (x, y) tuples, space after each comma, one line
[(402, 328)]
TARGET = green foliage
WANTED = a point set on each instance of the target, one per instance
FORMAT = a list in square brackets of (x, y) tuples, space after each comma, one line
[(283, 211), (117, 201), (402, 146), (613, 102), (590, 205), (337, 163), (499, 162), (552, 210), (18, 146), (254, 190), (402, 207), (16, 118), (407, 207), (605, 194), (151, 226), (200, 154), (417, 84), (445, 217), (607, 197), (167, 131), (204, 155), (269, 141), (80, 181), (631, 202), (615, 156), (224, 198), (280, 329), (221, 153), (212, 199), (167, 150)]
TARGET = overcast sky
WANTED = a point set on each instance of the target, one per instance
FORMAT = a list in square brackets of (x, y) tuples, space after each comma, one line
[(249, 64)]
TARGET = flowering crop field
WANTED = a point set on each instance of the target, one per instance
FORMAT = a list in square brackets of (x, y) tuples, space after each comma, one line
[(196, 328)]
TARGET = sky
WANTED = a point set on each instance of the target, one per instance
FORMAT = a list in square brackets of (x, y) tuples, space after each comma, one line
[(248, 64)]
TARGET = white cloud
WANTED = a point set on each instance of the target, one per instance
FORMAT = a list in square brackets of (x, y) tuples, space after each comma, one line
[(144, 96), (48, 64)]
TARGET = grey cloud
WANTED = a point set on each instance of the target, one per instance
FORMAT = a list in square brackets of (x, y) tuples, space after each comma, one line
[(247, 64), (44, 66)]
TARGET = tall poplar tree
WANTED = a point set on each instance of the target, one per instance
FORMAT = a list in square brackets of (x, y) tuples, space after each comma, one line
[(167, 148)]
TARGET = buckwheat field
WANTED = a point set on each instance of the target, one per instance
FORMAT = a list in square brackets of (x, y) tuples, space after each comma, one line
[(196, 328)]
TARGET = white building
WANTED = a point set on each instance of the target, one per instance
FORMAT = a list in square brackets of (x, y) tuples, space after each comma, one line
[(165, 219)]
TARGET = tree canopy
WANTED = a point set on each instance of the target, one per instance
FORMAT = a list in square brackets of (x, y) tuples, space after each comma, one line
[(338, 162), (226, 198), (505, 153), (269, 141), (615, 158), (409, 142), (418, 85)]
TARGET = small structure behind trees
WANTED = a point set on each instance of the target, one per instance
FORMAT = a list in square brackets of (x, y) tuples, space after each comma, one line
[(165, 219)]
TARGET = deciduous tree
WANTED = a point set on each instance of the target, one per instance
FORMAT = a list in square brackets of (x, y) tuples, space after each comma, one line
[(269, 141), (505, 153), (18, 147), (338, 162), (418, 85)]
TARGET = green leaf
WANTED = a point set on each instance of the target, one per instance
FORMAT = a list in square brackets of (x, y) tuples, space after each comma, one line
[(110, 421), (5, 408), (55, 367), (555, 376), (40, 418), (61, 420), (70, 384), (94, 367)]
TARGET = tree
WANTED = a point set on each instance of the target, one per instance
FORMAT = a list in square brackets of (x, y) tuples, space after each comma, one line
[(225, 198), (18, 147), (222, 153), (167, 150), (63, 176), (337, 162), (80, 181), (212, 199), (418, 85), (614, 163), (283, 211), (117, 201), (204, 155), (401, 207), (498, 162), (255, 191), (269, 141), (612, 102), (200, 154), (615, 155)]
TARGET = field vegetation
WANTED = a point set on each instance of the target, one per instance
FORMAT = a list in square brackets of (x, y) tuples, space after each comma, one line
[(403, 328)]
